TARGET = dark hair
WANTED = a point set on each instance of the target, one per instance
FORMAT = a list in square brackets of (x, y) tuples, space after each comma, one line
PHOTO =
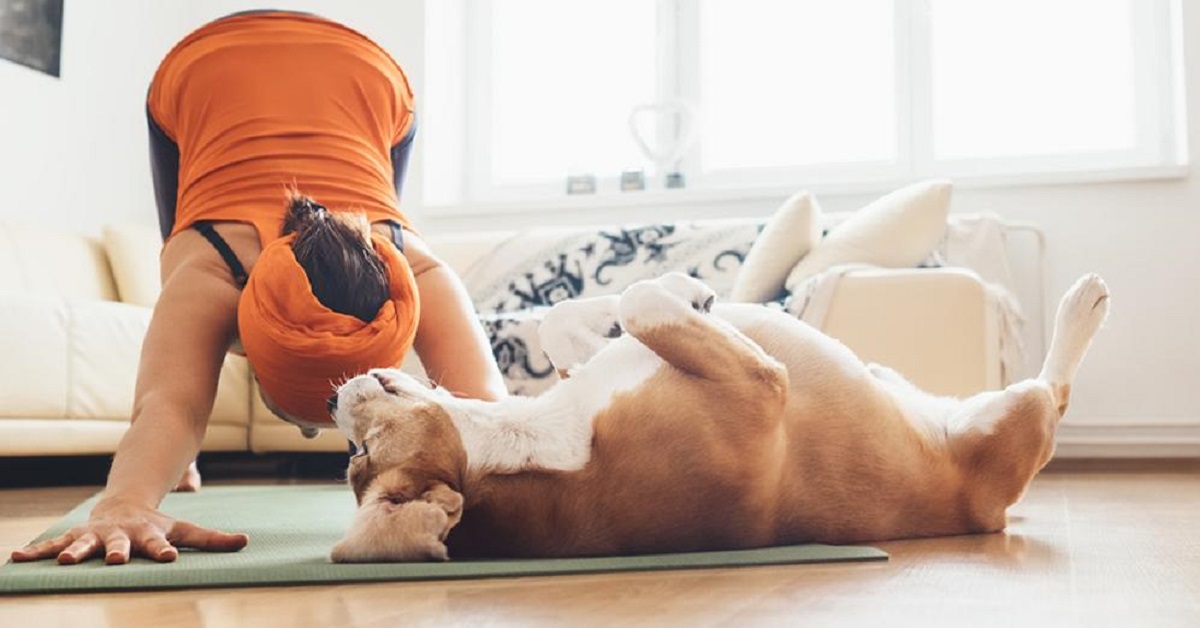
[(345, 272)]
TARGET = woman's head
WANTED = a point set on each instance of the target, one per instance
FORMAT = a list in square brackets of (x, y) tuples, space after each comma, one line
[(327, 301), (335, 251)]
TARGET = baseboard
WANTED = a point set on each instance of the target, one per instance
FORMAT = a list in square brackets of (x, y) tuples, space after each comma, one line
[(1150, 438)]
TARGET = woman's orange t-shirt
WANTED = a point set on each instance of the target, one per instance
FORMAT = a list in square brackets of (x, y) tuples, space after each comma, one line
[(263, 101)]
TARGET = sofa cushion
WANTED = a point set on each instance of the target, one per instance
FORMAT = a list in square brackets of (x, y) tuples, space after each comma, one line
[(791, 232), (72, 359), (133, 252), (34, 367), (53, 263), (462, 251), (76, 359), (897, 230)]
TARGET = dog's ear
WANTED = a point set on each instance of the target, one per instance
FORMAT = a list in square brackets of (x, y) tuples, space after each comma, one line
[(386, 532)]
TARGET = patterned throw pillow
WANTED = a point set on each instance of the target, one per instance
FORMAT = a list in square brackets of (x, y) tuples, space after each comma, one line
[(898, 230), (791, 232)]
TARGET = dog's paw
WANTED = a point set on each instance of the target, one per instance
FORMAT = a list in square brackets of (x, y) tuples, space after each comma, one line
[(665, 300), (574, 331), (690, 289), (1081, 312), (1085, 306)]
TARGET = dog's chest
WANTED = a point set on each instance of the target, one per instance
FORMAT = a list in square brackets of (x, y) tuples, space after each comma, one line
[(622, 368), (555, 431)]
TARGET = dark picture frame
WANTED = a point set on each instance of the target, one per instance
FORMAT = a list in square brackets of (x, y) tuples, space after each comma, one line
[(31, 34)]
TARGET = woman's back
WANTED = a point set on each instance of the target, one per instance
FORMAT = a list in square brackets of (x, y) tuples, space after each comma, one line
[(257, 102)]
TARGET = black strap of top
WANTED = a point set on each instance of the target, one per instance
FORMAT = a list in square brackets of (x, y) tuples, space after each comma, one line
[(231, 260), (240, 276), (397, 235)]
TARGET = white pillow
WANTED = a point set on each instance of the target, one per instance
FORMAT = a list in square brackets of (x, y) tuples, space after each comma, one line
[(792, 230), (133, 252), (896, 231)]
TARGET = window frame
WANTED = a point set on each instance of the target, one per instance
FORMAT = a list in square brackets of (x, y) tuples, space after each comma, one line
[(1160, 150)]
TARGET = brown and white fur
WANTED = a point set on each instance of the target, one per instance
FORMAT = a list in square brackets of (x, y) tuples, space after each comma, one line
[(739, 428)]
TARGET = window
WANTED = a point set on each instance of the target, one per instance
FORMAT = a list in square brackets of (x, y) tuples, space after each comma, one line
[(765, 71), (552, 112), (795, 92), (1055, 85)]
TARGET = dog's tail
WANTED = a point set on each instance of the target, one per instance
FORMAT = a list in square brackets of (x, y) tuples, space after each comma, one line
[(1081, 312)]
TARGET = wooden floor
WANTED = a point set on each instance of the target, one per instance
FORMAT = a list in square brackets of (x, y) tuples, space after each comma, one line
[(1095, 544)]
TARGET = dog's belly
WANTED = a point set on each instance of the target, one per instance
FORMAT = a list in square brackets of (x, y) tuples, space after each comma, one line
[(665, 474), (860, 462), (659, 479)]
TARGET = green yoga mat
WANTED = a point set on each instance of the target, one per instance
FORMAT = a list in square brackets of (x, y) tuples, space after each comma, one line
[(292, 529)]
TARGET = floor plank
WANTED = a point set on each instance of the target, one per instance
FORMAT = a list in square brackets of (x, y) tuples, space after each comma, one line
[(1091, 544)]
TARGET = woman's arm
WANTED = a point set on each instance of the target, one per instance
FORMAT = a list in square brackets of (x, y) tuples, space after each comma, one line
[(450, 341), (185, 346), (193, 324)]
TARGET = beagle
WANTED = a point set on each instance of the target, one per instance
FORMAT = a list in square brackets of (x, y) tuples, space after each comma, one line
[(681, 426)]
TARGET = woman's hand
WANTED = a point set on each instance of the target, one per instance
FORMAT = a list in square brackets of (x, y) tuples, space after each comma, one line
[(118, 531)]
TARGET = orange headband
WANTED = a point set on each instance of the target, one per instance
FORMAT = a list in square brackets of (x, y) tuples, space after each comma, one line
[(300, 349)]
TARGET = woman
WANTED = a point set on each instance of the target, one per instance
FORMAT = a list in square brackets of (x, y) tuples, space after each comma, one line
[(318, 286)]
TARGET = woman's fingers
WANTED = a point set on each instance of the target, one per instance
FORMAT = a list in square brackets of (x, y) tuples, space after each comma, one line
[(185, 534), (45, 549), (82, 549), (118, 544), (152, 544), (116, 548)]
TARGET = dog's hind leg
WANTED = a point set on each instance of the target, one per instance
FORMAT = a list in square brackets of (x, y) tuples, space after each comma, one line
[(1002, 439), (1080, 314), (669, 316)]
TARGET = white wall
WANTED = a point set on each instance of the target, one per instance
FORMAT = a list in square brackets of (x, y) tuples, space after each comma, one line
[(73, 151), (73, 154)]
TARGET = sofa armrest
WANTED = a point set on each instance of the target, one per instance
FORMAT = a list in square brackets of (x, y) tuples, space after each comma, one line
[(933, 325)]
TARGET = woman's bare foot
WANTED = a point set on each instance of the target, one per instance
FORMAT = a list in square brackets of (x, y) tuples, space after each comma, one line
[(190, 482)]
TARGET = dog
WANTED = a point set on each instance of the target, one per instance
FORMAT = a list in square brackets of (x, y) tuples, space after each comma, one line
[(680, 426)]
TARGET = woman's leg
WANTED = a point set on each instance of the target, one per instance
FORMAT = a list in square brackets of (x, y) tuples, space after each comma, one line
[(450, 341)]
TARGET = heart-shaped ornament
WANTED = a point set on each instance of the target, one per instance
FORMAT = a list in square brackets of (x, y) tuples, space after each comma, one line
[(663, 114)]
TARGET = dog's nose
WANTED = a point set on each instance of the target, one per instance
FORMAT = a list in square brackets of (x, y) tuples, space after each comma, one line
[(331, 403)]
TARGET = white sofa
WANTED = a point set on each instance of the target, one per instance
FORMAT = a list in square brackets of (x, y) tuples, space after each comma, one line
[(74, 309)]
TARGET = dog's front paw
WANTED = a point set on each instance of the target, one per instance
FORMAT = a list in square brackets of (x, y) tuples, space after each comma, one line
[(690, 289), (574, 331), (384, 532), (665, 300)]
